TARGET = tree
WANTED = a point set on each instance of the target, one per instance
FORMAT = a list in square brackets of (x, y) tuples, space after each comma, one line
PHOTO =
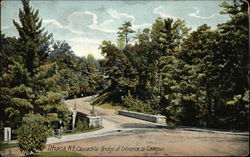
[(32, 37), (78, 75), (125, 30), (15, 94), (119, 68), (134, 68), (60, 49), (112, 64), (91, 79), (174, 90), (218, 68), (234, 36), (167, 35), (67, 68), (198, 53), (199, 78), (8, 52), (144, 60), (29, 82)]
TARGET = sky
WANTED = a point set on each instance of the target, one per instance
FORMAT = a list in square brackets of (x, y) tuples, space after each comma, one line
[(85, 24)]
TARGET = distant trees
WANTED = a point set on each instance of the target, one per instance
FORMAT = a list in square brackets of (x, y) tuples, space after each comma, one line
[(78, 75), (192, 78)]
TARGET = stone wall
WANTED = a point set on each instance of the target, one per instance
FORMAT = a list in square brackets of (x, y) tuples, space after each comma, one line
[(152, 118), (95, 121)]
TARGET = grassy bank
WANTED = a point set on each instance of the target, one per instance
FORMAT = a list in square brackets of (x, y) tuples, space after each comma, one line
[(58, 153), (10, 145), (109, 106), (83, 131)]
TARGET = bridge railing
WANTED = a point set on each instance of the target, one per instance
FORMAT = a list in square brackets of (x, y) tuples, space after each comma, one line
[(148, 117)]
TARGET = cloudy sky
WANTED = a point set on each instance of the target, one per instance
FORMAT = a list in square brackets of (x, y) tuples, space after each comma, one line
[(85, 24)]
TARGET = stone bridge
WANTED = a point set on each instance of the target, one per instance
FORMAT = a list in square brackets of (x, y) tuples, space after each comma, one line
[(110, 118)]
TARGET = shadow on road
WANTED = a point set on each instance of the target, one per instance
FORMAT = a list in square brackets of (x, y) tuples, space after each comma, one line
[(140, 125), (182, 128)]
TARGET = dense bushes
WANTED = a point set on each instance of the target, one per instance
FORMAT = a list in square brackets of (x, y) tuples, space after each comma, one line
[(136, 105), (81, 125), (32, 134)]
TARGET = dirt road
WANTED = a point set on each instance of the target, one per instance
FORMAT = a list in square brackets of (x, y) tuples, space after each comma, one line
[(124, 136), (147, 139), (161, 142), (110, 119)]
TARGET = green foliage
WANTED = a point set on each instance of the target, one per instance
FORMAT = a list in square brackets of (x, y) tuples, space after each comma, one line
[(36, 78), (81, 125), (168, 34), (125, 30), (57, 153), (32, 135), (60, 49), (10, 145), (77, 76), (36, 75), (52, 107), (190, 78), (118, 67), (15, 95), (31, 37), (136, 104), (28, 80)]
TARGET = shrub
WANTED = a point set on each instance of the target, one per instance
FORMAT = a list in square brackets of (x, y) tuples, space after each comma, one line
[(91, 126), (32, 135), (81, 125), (136, 105)]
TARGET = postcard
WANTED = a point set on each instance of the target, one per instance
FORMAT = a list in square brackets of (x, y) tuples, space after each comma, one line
[(124, 78)]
